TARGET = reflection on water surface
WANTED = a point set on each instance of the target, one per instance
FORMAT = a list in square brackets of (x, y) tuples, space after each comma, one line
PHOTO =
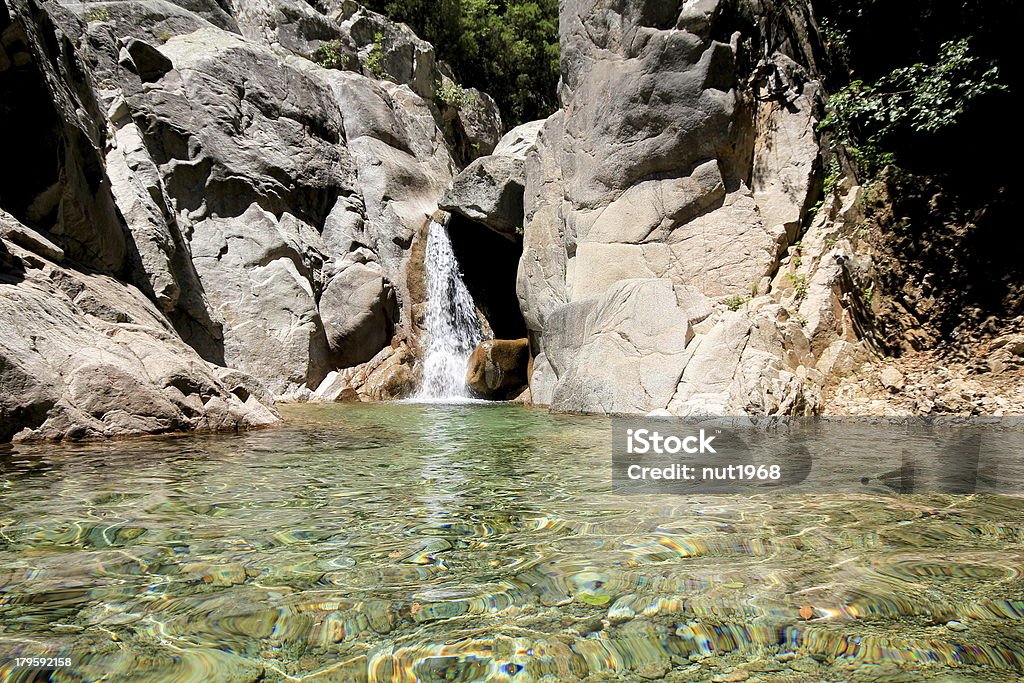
[(407, 542)]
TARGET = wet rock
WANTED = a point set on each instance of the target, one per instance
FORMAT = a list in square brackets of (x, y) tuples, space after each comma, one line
[(222, 575), (731, 677), (654, 671), (804, 665), (497, 368)]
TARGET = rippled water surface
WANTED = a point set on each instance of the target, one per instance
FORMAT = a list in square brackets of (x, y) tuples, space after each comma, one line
[(408, 542)]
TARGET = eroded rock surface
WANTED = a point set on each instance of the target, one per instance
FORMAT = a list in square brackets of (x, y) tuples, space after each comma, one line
[(254, 177), (499, 368), (85, 355), (490, 190), (661, 201)]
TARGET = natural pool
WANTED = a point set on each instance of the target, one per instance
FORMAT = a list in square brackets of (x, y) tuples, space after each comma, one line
[(407, 542)]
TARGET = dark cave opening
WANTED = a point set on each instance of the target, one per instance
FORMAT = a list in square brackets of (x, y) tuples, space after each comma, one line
[(29, 132), (489, 264)]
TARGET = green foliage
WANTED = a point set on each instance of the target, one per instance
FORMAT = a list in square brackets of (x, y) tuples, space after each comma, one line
[(98, 14), (799, 283), (507, 48), (736, 302), (836, 40), (833, 173), (867, 293), (921, 98), (330, 55), (454, 95), (375, 57)]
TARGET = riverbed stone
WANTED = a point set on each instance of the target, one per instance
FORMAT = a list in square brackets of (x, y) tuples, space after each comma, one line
[(498, 368)]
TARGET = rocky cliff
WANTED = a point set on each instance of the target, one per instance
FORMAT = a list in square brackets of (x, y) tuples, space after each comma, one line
[(662, 206), (203, 201), (213, 205)]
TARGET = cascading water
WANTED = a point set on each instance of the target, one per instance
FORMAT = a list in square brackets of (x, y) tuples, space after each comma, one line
[(452, 328)]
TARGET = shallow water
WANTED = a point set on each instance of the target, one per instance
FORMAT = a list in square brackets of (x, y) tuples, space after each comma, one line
[(421, 542)]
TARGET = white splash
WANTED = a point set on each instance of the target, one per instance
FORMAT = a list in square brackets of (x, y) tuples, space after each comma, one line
[(452, 328)]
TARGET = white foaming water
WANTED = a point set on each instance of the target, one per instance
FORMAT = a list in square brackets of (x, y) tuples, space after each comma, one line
[(452, 328)]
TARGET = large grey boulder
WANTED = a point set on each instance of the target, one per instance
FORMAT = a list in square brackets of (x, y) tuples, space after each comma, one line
[(83, 355), (685, 154), (387, 48), (358, 312), (619, 352), (490, 190), (402, 164)]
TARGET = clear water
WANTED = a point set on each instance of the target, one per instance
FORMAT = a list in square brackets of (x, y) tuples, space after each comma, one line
[(452, 328), (404, 542)]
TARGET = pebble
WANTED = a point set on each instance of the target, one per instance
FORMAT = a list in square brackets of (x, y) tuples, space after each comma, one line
[(654, 671), (956, 626), (763, 666), (804, 665)]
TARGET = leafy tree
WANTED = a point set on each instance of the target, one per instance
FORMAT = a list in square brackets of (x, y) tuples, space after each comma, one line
[(921, 98), (928, 84), (506, 48)]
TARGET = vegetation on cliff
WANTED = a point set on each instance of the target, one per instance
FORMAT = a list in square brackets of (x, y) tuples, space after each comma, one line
[(923, 102), (509, 49)]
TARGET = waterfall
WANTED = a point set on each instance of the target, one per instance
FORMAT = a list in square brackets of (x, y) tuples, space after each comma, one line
[(452, 328)]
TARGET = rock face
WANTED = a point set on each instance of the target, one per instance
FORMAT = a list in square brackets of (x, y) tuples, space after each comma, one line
[(660, 202), (84, 352), (84, 355), (221, 206), (490, 190), (498, 368), (388, 375)]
